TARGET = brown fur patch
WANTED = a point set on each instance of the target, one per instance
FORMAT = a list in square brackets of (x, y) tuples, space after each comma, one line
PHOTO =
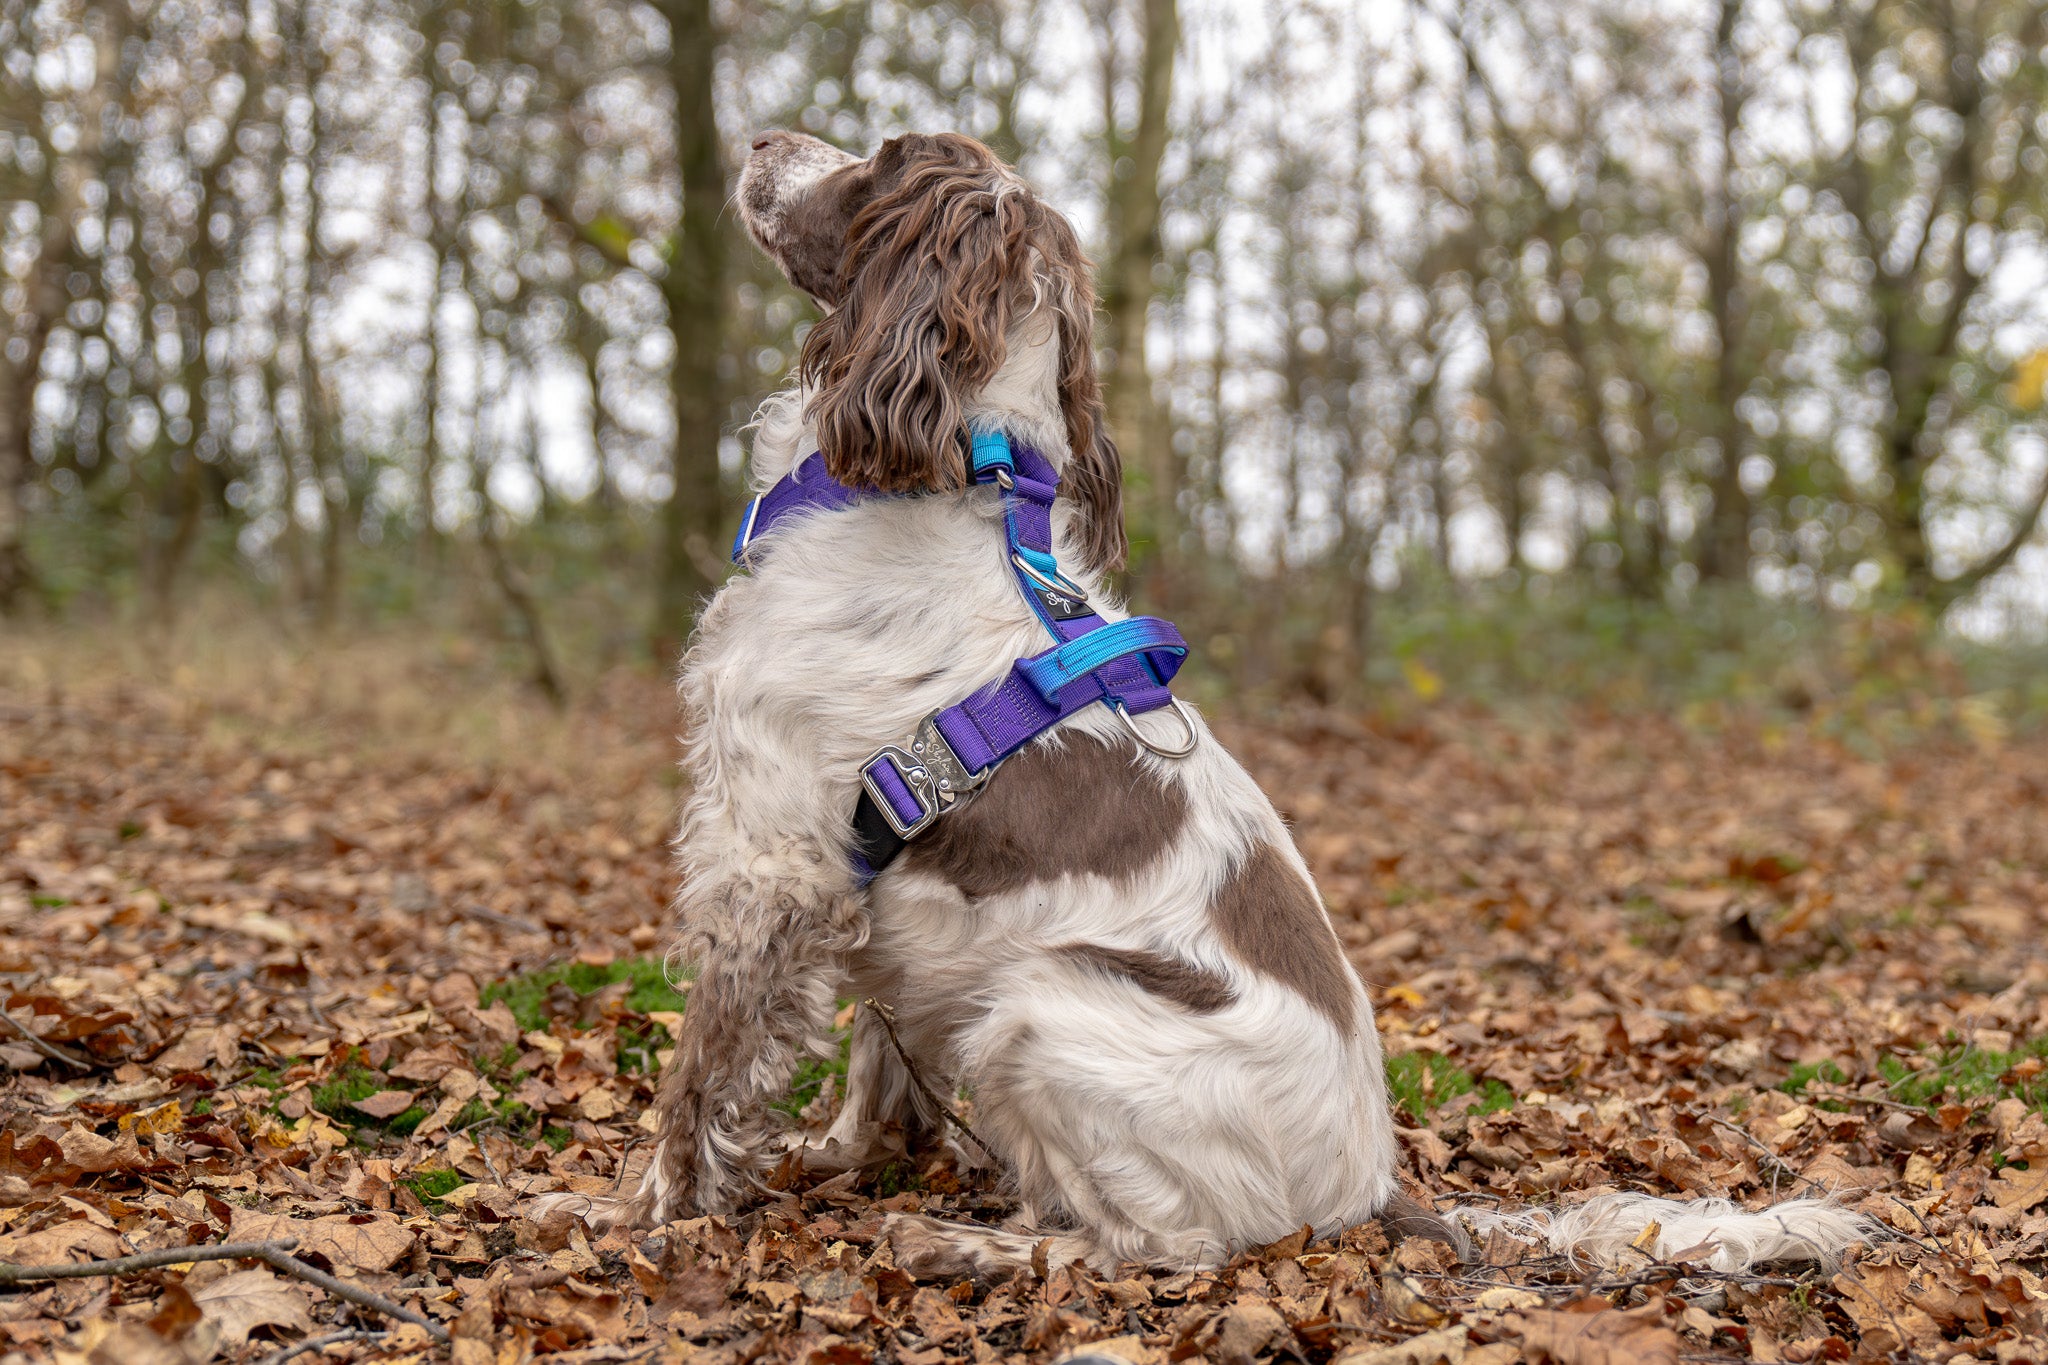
[(1191, 987), (1269, 917), (940, 250), (1405, 1216), (811, 245), (1079, 806)]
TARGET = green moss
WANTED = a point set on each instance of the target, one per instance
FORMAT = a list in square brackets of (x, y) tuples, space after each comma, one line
[(1955, 1072), (1806, 1073), (430, 1186), (810, 1076), (896, 1177), (343, 1087), (527, 995), (639, 1044), (1494, 1098), (505, 1112), (640, 1049), (1422, 1081), (556, 1136), (1968, 1073), (273, 1077)]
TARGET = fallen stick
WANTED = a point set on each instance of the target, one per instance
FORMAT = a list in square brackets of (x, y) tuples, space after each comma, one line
[(888, 1017), (1776, 1162), (299, 1348), (276, 1255), (142, 1260), (45, 1046), (341, 1289)]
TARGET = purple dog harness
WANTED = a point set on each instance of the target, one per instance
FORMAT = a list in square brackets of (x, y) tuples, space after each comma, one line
[(1124, 664)]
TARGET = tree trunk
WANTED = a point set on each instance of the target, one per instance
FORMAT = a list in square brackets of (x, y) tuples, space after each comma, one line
[(511, 584), (695, 289), (17, 402), (1136, 419), (213, 420), (1724, 548)]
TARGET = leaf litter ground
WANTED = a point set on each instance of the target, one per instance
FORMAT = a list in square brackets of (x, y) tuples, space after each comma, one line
[(361, 951)]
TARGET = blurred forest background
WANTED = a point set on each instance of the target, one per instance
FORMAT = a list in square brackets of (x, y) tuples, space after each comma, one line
[(1511, 342)]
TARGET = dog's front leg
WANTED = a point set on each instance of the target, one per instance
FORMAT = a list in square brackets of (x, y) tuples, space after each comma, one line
[(768, 933), (770, 941)]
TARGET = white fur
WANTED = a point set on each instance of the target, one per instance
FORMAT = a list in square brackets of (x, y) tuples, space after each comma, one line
[(1717, 1233), (1170, 1136), (1145, 1131)]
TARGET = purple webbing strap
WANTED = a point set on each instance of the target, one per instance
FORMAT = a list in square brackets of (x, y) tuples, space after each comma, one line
[(895, 791), (1012, 711), (1009, 713), (808, 487)]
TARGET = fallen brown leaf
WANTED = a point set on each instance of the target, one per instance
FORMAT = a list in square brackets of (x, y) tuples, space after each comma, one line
[(1602, 1336), (237, 1304), (364, 1241)]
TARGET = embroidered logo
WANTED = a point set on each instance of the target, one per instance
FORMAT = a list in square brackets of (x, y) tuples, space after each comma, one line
[(1059, 606)]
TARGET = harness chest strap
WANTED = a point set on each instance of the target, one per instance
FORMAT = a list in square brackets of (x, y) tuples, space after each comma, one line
[(1125, 664)]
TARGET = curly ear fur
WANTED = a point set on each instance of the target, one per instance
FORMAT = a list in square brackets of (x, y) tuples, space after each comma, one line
[(931, 278), (1095, 473), (950, 252)]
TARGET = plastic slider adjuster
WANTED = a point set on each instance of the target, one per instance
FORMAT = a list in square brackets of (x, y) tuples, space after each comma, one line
[(931, 774)]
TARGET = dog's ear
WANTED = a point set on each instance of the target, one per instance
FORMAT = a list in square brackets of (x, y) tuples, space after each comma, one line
[(934, 268), (1095, 478), (1095, 472)]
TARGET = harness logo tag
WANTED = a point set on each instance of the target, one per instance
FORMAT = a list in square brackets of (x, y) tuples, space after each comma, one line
[(1059, 606)]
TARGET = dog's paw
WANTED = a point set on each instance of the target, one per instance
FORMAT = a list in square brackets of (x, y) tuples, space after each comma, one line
[(599, 1214), (923, 1247), (870, 1145)]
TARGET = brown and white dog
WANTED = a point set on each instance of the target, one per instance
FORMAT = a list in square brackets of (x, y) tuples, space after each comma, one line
[(1122, 955)]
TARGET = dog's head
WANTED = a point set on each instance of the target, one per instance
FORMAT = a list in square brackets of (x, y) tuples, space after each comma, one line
[(927, 257)]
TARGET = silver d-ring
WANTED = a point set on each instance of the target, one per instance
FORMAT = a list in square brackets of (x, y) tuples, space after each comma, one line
[(1004, 480), (1194, 736), (1063, 585)]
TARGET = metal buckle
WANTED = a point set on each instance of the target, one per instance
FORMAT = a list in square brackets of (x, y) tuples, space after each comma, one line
[(930, 769), (745, 544)]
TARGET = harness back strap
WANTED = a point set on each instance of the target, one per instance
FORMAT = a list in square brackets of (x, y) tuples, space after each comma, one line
[(1125, 664)]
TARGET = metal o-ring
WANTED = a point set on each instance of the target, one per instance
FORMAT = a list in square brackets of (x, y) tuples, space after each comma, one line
[(1063, 585), (1181, 710)]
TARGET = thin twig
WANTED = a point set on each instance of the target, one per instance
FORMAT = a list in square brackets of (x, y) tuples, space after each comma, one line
[(888, 1018), (619, 1175), (490, 916), (1851, 1097), (1776, 1161), (355, 1294), (142, 1260), (45, 1046), (478, 1143), (320, 1343), (276, 1255), (1667, 1271)]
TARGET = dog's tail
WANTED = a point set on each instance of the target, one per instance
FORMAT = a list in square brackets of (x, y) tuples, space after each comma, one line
[(1632, 1231)]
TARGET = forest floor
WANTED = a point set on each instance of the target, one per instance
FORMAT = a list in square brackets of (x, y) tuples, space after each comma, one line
[(356, 945)]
